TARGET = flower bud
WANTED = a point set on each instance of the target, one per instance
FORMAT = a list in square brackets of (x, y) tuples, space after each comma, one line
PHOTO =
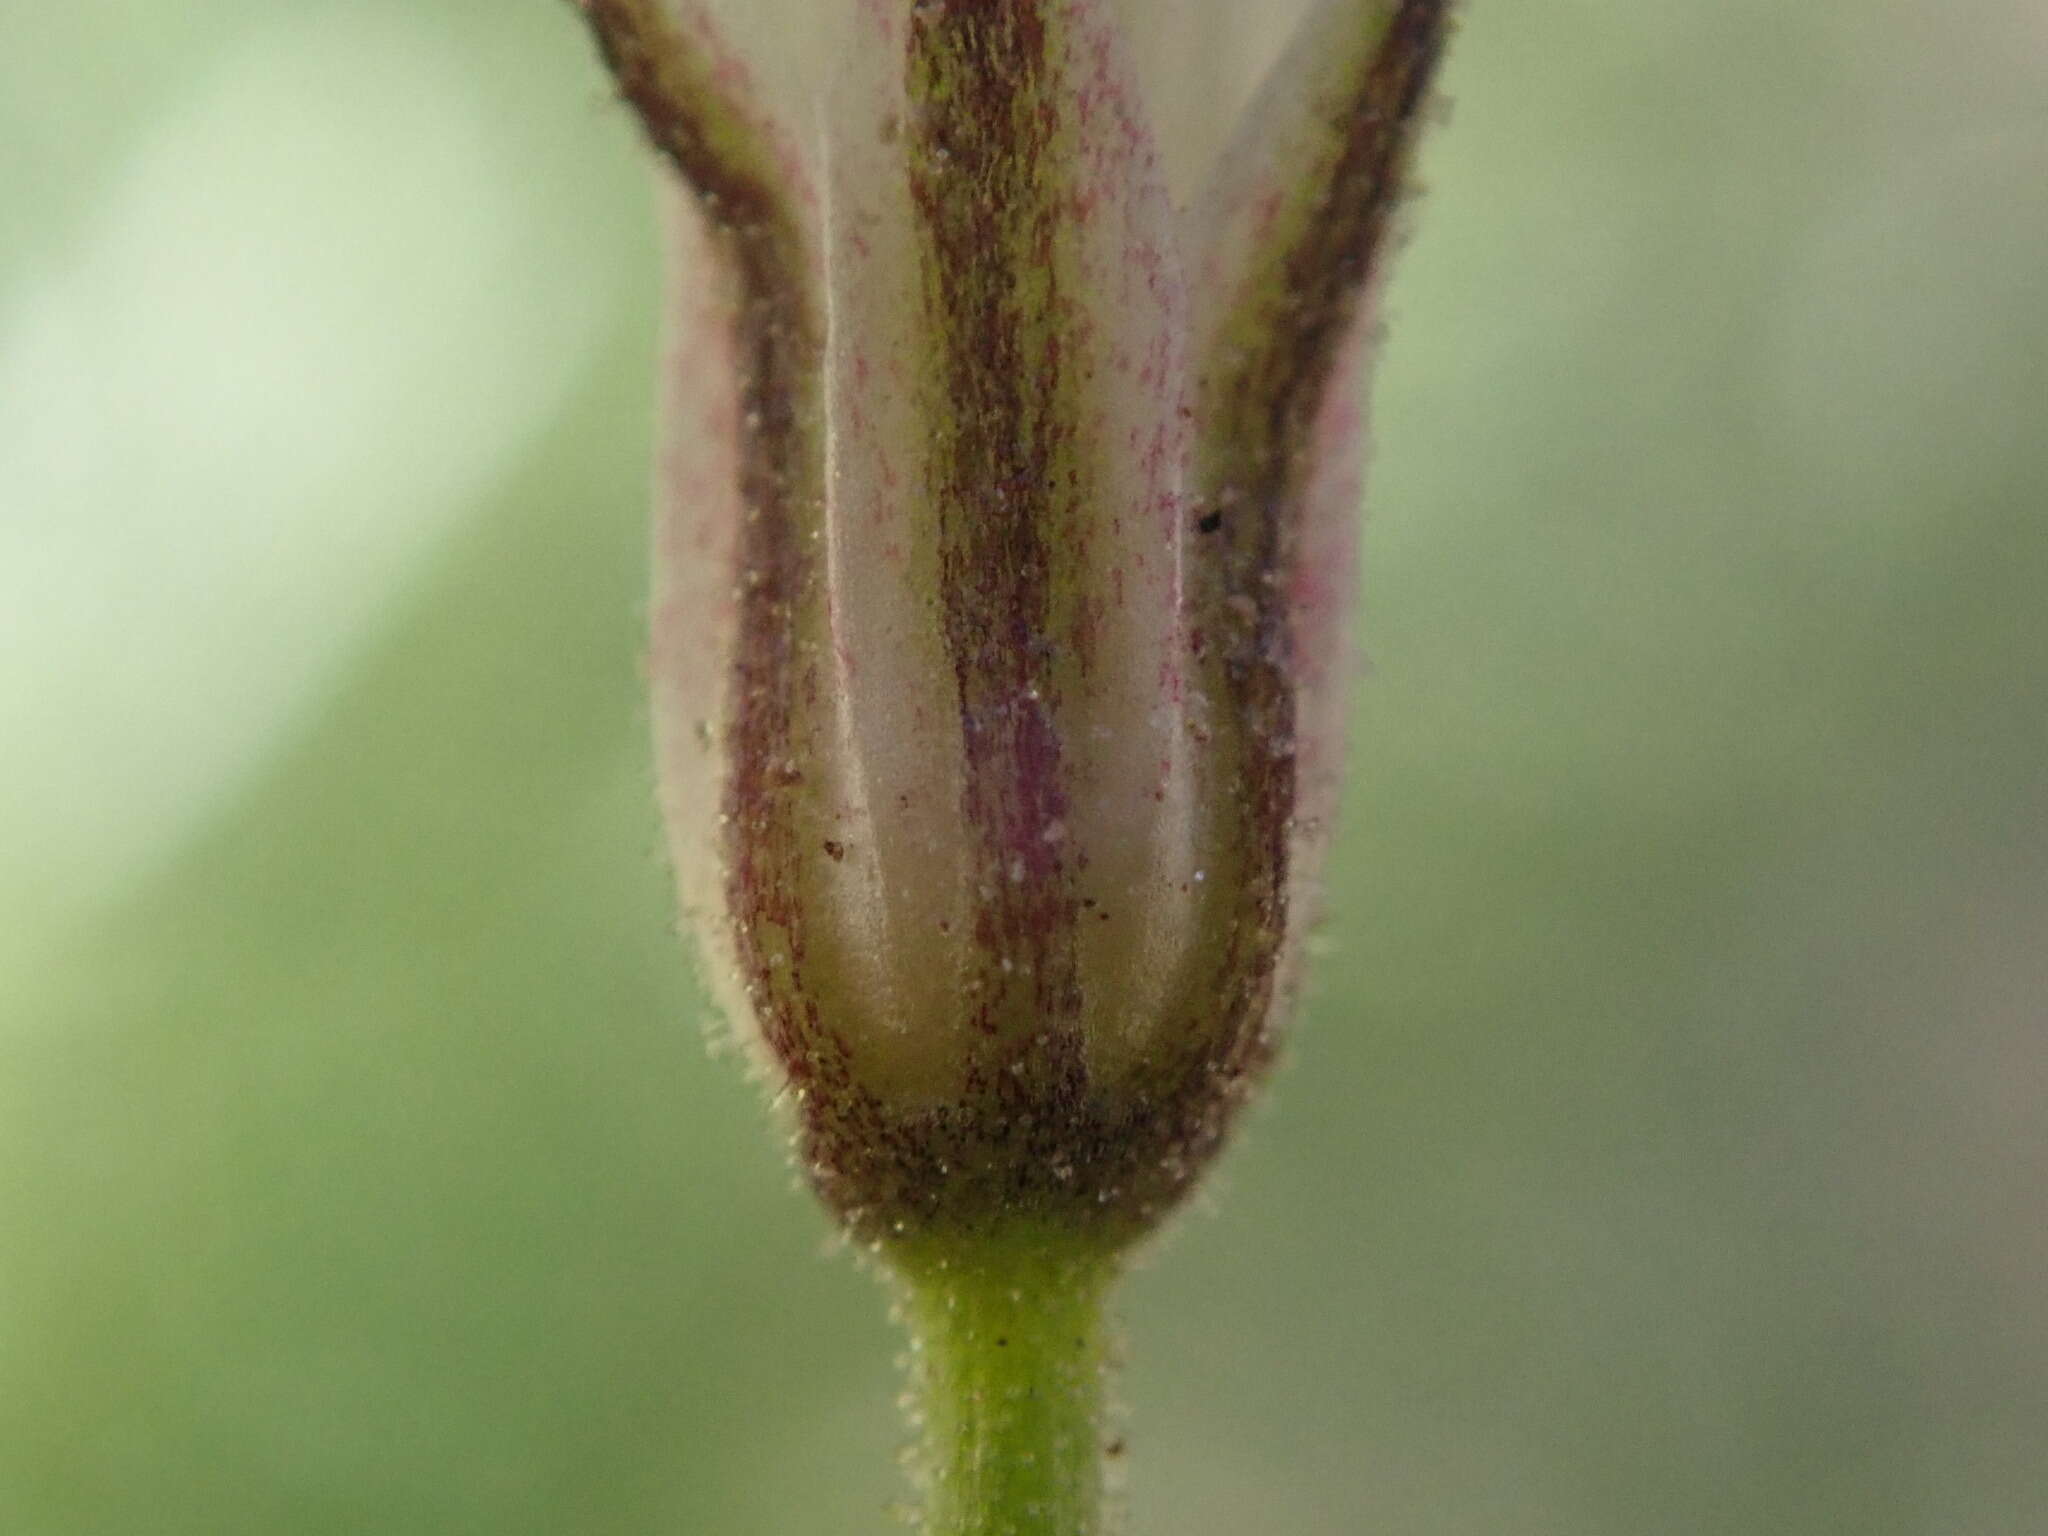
[(1002, 559)]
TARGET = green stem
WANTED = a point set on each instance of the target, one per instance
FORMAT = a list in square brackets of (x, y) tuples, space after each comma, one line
[(1007, 1363)]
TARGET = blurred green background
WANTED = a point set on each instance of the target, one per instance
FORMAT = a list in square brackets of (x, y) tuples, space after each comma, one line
[(1664, 1144)]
